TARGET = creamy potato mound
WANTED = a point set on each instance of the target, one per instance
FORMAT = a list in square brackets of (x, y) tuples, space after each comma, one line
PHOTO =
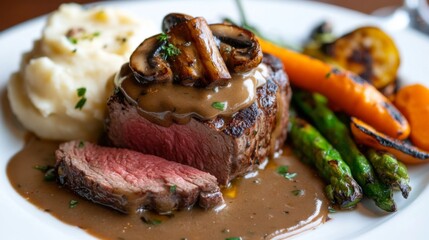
[(61, 90)]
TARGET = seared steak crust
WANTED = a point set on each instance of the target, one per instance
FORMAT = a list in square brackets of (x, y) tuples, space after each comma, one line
[(224, 147), (130, 181)]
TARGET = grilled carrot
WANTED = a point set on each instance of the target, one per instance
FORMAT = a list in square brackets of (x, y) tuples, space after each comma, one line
[(368, 136), (413, 102), (349, 92)]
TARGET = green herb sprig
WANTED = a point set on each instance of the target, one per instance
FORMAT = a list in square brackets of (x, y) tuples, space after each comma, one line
[(168, 49)]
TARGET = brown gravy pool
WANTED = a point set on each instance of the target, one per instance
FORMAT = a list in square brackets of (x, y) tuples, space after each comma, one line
[(266, 206)]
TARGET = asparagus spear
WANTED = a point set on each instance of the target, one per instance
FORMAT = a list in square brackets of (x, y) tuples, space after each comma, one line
[(391, 171), (315, 107), (313, 149)]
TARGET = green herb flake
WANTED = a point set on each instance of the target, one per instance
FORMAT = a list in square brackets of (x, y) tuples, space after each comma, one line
[(96, 34), (72, 40), (331, 210), (81, 144), (151, 221), (290, 176), (282, 169), (219, 105), (74, 50), (234, 238), (49, 175), (73, 203), (81, 92), (163, 37), (42, 168), (170, 50), (79, 105), (328, 75), (173, 188), (298, 192)]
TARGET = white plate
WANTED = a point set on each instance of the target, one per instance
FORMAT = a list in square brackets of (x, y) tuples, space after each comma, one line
[(290, 19)]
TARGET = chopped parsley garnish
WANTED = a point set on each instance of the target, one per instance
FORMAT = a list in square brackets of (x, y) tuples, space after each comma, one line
[(173, 188), (49, 175), (163, 37), (331, 209), (219, 105), (73, 203), (169, 50), (297, 192), (290, 176), (328, 74), (42, 168), (233, 238), (82, 99), (79, 105), (81, 144), (81, 92), (74, 35), (73, 40), (284, 171), (49, 172), (151, 221)]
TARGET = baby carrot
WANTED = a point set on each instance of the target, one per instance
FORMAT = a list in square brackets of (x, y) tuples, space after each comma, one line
[(413, 102), (347, 91)]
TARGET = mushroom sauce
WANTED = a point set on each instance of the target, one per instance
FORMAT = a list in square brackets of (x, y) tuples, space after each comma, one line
[(262, 205), (165, 103)]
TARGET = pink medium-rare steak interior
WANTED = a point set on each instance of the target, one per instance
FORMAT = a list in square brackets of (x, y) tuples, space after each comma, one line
[(129, 181)]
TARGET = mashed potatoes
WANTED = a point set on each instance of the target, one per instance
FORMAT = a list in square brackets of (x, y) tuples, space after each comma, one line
[(61, 90)]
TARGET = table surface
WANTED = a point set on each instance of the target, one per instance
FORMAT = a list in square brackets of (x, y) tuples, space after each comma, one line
[(17, 11)]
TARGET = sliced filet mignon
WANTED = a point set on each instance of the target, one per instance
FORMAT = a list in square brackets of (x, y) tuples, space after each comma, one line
[(226, 147), (129, 181)]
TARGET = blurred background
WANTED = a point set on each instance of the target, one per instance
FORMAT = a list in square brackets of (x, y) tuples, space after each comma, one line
[(17, 11)]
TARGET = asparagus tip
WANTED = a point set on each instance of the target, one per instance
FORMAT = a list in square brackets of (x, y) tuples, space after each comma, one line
[(405, 189)]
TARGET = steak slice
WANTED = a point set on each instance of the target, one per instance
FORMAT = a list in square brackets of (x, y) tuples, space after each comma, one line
[(226, 147), (131, 181)]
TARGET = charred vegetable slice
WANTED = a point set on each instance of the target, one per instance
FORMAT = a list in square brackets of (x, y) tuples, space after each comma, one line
[(366, 135), (366, 51)]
